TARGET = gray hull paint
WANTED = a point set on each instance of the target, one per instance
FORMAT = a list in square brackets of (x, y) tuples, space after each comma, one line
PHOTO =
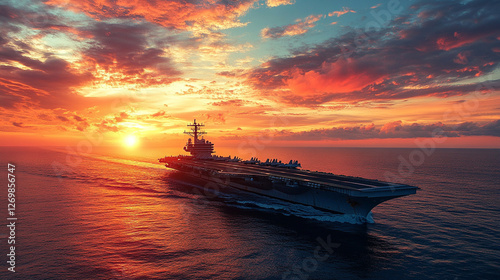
[(337, 193), (338, 201)]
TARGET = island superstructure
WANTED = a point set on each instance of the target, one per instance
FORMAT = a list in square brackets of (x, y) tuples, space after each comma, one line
[(284, 181)]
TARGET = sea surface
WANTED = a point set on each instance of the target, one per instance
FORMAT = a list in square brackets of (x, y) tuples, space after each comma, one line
[(103, 213)]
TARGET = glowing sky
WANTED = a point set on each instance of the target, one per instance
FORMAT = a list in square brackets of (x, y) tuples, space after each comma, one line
[(379, 73)]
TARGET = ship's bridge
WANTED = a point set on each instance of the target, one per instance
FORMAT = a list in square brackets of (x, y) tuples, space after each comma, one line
[(198, 148)]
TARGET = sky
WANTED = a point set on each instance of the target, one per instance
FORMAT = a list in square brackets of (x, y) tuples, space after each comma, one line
[(269, 72)]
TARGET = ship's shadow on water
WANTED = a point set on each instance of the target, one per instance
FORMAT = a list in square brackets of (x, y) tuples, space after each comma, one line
[(299, 229)]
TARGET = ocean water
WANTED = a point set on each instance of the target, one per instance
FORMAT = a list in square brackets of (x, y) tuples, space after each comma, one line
[(121, 215)]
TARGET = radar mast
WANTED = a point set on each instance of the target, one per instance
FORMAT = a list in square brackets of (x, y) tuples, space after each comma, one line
[(198, 148), (195, 130)]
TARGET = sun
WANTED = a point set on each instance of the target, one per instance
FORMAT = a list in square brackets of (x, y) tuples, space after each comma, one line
[(130, 141)]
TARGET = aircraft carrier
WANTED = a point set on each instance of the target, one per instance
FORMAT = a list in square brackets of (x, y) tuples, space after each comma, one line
[(285, 181)]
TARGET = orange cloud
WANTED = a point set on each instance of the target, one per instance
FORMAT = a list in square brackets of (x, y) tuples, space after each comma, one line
[(300, 27), (342, 76), (276, 3), (175, 14), (462, 58), (391, 127), (406, 63), (457, 40), (339, 13)]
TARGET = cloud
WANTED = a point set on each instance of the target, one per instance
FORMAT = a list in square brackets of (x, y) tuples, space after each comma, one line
[(217, 118), (81, 124), (175, 14), (341, 76), (160, 113), (62, 118), (276, 3), (18, 124), (231, 74), (121, 117), (48, 83), (78, 118), (114, 54), (32, 78), (488, 129), (300, 27), (232, 102), (392, 130), (344, 11), (44, 117), (106, 126), (397, 62), (123, 49)]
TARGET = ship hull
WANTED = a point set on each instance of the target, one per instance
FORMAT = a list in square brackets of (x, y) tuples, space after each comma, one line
[(272, 178), (337, 202)]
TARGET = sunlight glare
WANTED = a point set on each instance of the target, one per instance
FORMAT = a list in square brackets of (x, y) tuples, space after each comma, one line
[(131, 141)]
